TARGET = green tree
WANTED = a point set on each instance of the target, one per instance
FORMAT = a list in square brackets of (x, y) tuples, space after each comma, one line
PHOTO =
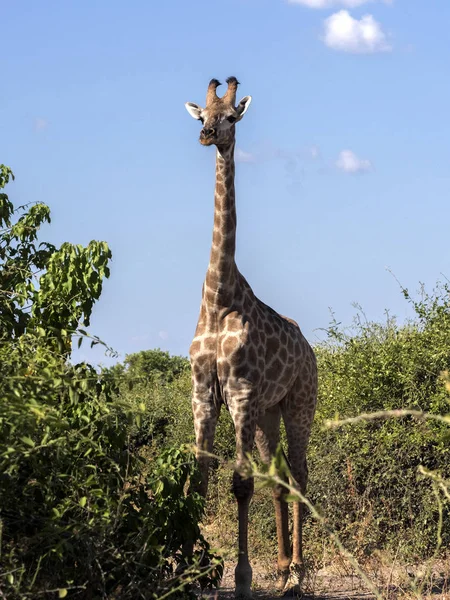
[(155, 364), (43, 288)]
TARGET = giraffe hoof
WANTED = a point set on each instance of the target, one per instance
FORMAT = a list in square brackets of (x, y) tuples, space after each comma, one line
[(243, 595), (282, 578), (243, 592), (243, 581), (293, 584), (293, 592)]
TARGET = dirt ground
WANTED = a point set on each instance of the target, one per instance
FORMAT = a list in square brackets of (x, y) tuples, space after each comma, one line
[(337, 580), (332, 584)]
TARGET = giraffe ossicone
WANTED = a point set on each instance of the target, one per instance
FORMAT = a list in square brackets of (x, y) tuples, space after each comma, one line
[(246, 356)]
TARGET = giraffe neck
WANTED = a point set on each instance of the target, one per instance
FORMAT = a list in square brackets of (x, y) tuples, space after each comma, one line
[(221, 274)]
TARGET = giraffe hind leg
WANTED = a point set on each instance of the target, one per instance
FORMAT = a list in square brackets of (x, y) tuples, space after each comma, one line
[(267, 440), (298, 413), (244, 419)]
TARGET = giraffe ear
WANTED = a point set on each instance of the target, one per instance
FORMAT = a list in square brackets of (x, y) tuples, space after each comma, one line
[(194, 110), (243, 105)]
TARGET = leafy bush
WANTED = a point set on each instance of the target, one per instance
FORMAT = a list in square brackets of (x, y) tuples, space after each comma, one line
[(76, 511), (79, 514), (161, 385), (365, 476), (155, 365)]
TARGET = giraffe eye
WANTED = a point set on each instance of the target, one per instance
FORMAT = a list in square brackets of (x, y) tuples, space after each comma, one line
[(231, 119)]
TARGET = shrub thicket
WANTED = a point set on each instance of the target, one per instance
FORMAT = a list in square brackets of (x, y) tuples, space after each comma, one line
[(80, 516), (76, 511), (365, 476)]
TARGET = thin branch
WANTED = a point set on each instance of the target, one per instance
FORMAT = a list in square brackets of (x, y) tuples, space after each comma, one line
[(386, 414), (73, 587)]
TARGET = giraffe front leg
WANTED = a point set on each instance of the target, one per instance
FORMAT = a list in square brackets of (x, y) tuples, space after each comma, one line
[(245, 425), (206, 413), (243, 491)]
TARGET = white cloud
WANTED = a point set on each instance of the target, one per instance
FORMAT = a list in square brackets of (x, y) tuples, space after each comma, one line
[(163, 335), (348, 161), (242, 156), (40, 124), (363, 36), (332, 3)]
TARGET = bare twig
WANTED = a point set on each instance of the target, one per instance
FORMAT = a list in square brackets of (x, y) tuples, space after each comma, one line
[(387, 414)]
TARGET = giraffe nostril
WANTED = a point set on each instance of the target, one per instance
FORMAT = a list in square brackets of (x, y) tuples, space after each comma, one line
[(207, 132)]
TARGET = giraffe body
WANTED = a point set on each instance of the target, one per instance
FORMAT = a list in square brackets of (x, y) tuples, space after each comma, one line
[(248, 357), (247, 345)]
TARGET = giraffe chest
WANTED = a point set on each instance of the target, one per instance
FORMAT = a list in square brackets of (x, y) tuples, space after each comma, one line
[(239, 359), (223, 354)]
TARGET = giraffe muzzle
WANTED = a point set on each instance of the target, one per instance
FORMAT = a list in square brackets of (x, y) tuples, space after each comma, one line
[(207, 135)]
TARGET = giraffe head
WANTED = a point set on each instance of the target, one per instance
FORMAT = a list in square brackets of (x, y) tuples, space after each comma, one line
[(220, 114)]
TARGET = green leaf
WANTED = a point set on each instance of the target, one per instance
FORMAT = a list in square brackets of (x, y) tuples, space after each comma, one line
[(83, 501), (38, 413), (159, 487), (28, 441)]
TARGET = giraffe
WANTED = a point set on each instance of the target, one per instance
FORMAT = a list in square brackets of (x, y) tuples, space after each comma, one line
[(248, 357)]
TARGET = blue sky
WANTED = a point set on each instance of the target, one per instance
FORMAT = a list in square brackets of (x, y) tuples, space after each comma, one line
[(343, 157)]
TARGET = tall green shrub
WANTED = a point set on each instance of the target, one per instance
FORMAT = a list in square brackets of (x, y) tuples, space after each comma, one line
[(79, 515), (365, 476)]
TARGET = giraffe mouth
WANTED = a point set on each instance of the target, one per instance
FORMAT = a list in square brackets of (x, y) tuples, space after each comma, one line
[(207, 141)]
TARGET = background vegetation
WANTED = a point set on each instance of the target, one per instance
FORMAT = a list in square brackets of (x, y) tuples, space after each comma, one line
[(94, 465), (364, 477)]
